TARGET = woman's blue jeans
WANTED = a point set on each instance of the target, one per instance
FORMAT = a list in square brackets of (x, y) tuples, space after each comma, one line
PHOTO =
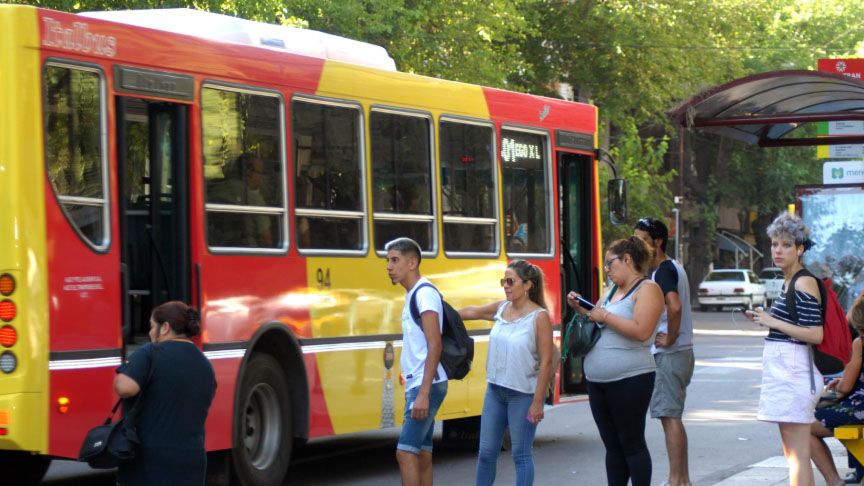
[(504, 407)]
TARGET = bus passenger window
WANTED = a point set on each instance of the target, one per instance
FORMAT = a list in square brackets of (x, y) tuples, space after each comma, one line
[(401, 178), (243, 169), (327, 177), (468, 187), (74, 148), (526, 192)]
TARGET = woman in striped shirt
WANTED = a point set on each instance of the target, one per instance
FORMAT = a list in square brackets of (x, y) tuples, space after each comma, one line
[(787, 396)]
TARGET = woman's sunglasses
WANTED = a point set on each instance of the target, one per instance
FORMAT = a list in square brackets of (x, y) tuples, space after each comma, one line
[(509, 281)]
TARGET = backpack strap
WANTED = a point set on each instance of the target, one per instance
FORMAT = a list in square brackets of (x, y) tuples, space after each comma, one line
[(412, 304), (791, 305)]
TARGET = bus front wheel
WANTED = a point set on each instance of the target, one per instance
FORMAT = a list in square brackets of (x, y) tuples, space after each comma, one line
[(263, 435)]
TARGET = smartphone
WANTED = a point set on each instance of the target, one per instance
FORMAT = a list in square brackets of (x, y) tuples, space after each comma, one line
[(584, 303)]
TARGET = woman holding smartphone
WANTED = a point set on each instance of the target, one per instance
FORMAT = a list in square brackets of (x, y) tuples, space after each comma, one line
[(788, 397), (620, 369)]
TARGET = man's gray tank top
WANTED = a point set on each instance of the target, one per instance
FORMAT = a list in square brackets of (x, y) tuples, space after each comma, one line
[(616, 357)]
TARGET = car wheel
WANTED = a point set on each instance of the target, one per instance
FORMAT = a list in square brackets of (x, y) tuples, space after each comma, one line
[(704, 308), (749, 303)]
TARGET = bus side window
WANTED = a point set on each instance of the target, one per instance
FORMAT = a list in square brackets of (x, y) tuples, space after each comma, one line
[(243, 169), (74, 148), (327, 176), (468, 187), (401, 178)]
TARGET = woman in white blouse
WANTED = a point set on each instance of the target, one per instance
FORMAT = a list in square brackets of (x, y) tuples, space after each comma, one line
[(518, 370)]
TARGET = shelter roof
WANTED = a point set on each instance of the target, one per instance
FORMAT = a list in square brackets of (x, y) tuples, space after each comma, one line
[(766, 108)]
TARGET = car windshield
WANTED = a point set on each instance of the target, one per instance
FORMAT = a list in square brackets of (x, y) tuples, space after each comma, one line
[(771, 274), (725, 276)]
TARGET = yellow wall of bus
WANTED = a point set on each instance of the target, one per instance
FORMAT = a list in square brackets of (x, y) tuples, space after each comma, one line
[(354, 380), (23, 394)]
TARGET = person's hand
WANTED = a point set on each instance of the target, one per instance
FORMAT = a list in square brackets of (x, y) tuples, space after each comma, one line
[(759, 316), (420, 410), (535, 412), (661, 340), (832, 385), (573, 302)]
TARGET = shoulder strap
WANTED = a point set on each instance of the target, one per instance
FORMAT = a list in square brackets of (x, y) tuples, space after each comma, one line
[(412, 304), (146, 383), (791, 304)]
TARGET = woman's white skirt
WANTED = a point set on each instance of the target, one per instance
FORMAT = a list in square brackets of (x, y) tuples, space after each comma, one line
[(787, 395)]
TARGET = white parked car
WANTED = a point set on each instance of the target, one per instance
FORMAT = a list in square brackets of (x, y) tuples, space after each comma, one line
[(738, 287), (772, 279)]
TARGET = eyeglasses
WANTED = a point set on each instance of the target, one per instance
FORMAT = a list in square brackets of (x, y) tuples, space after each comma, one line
[(509, 281), (608, 263)]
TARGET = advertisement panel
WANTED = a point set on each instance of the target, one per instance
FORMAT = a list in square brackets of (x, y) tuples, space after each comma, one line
[(833, 215)]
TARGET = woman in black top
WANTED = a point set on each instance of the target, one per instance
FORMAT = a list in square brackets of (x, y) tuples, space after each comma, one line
[(175, 401)]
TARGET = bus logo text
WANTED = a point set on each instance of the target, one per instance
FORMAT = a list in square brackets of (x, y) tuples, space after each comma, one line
[(78, 38)]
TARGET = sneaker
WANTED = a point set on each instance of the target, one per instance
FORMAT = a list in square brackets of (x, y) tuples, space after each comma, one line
[(851, 478)]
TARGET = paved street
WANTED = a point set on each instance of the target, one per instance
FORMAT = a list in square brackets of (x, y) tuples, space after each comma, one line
[(728, 447)]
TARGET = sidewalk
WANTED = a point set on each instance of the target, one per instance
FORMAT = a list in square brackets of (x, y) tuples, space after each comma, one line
[(774, 471)]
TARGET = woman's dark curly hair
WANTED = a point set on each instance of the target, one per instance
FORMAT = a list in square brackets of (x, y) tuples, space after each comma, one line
[(183, 319)]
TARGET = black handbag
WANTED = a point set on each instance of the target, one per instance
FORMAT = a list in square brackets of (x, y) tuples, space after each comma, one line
[(109, 444), (581, 334)]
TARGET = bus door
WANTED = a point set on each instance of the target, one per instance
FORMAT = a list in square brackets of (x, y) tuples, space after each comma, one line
[(152, 153), (577, 272)]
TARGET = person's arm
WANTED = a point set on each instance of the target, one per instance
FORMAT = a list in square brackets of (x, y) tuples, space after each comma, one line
[(673, 320), (647, 307), (545, 350), (479, 312), (125, 386), (808, 334), (432, 331), (846, 383)]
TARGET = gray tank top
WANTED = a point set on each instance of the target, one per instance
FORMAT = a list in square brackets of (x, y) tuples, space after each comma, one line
[(616, 357)]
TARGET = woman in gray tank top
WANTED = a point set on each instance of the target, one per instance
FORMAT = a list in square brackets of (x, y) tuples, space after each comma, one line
[(518, 370), (619, 369)]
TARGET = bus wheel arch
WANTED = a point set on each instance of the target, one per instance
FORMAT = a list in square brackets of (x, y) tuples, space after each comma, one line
[(271, 407)]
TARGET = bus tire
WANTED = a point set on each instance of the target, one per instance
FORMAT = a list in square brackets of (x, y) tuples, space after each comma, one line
[(23, 468), (263, 429)]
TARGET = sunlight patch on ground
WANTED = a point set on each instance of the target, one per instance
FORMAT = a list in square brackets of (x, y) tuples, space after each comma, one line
[(719, 416), (738, 363)]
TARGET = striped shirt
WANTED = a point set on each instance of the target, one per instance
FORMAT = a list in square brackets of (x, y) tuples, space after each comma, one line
[(809, 315)]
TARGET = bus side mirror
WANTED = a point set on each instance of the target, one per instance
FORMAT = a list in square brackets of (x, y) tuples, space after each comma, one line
[(617, 200)]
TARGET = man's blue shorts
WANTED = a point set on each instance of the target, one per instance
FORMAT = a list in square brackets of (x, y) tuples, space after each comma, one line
[(417, 434)]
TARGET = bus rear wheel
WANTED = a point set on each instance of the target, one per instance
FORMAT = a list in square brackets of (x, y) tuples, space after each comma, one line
[(24, 468), (263, 435)]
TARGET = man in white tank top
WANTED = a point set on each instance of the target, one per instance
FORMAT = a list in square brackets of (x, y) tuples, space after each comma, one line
[(672, 349)]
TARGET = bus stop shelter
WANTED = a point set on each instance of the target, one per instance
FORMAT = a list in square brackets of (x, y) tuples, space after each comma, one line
[(766, 109)]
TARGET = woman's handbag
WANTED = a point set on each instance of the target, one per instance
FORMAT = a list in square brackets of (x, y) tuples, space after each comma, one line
[(109, 444), (582, 333)]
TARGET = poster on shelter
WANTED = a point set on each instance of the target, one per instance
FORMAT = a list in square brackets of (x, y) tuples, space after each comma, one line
[(833, 215)]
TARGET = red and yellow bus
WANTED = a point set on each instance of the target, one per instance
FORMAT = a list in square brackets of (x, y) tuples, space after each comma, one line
[(215, 166)]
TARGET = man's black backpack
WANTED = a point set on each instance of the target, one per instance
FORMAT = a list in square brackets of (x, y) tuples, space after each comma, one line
[(457, 347)]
